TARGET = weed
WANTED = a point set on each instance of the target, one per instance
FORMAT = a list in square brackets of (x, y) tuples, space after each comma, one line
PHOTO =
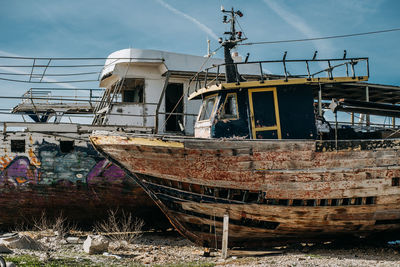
[(120, 226), (59, 225)]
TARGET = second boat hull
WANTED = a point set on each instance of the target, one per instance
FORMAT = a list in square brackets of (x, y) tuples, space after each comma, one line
[(65, 176)]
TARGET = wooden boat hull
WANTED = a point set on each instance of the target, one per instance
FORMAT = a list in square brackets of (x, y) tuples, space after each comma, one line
[(275, 191), (80, 184)]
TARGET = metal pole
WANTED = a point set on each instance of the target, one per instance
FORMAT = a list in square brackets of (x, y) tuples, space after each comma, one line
[(320, 101), (336, 132)]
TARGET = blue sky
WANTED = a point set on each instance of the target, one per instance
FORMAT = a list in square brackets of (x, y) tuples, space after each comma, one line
[(94, 28)]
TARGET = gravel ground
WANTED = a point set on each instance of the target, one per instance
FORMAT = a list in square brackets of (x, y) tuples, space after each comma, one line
[(170, 249)]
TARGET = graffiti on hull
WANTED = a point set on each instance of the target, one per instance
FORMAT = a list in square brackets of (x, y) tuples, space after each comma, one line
[(78, 183), (49, 166)]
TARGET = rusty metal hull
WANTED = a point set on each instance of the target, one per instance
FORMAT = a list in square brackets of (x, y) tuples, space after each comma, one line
[(79, 183), (275, 191)]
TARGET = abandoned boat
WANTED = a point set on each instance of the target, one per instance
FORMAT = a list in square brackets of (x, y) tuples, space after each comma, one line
[(48, 165), (265, 154)]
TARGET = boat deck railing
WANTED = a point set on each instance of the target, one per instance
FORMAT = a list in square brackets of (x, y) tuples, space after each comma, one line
[(54, 95), (284, 69), (52, 98)]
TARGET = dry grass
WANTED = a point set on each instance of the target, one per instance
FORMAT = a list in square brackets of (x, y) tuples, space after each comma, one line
[(58, 225), (120, 226)]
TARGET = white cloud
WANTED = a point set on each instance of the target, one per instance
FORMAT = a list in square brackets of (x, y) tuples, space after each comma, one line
[(203, 27)]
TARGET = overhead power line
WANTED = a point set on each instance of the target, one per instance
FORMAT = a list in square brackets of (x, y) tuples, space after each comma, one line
[(81, 58), (322, 38)]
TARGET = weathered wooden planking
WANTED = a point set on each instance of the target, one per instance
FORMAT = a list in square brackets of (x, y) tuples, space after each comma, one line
[(282, 170)]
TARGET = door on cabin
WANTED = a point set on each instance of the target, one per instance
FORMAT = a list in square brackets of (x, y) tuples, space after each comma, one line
[(174, 107), (264, 113)]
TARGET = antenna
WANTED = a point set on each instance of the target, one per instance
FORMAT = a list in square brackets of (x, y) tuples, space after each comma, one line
[(208, 48), (233, 39), (209, 53)]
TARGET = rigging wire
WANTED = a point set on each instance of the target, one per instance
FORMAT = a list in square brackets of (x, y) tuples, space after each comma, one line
[(50, 74), (75, 81), (201, 67), (47, 75), (322, 38), (81, 58), (55, 66), (240, 26)]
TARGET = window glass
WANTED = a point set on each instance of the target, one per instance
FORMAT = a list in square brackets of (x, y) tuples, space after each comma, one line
[(264, 109), (18, 146), (66, 146), (132, 90), (229, 110), (207, 108)]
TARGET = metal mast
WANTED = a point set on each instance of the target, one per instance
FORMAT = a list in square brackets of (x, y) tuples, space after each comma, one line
[(229, 43)]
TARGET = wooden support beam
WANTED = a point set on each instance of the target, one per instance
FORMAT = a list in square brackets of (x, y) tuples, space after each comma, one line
[(352, 119), (160, 101), (225, 232)]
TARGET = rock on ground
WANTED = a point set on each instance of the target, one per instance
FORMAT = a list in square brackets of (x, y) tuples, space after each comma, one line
[(20, 242), (95, 244)]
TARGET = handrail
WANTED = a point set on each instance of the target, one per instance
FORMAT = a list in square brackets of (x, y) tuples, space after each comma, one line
[(333, 64)]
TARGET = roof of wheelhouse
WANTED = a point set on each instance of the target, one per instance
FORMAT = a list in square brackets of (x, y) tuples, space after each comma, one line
[(172, 61), (178, 64), (339, 87)]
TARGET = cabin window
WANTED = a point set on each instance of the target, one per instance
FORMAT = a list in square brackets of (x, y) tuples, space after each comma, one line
[(66, 146), (229, 110), (207, 108), (18, 146), (133, 90)]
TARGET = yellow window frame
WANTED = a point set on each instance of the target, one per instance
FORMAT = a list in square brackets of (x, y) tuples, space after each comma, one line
[(276, 127), (212, 110)]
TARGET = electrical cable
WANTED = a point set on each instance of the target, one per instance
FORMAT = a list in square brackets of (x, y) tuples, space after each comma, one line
[(50, 74), (20, 81), (322, 38)]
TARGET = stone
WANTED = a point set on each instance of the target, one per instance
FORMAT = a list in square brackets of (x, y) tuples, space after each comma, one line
[(20, 242), (95, 244), (10, 264)]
